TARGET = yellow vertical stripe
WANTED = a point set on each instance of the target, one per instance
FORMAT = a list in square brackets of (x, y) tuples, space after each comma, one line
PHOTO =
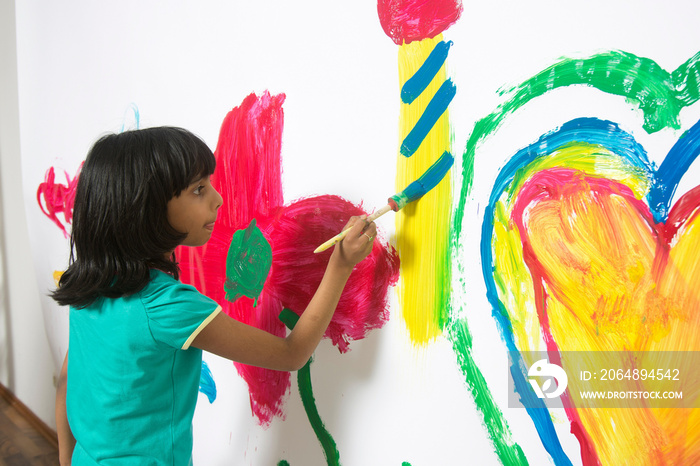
[(422, 227)]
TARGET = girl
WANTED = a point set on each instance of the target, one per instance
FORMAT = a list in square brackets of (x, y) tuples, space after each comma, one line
[(129, 383)]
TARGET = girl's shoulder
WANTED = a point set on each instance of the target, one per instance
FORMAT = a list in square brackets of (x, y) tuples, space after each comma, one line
[(160, 282), (163, 288)]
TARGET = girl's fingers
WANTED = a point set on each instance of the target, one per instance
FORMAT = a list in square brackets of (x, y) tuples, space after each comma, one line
[(359, 240), (369, 232), (356, 225), (361, 233), (351, 222)]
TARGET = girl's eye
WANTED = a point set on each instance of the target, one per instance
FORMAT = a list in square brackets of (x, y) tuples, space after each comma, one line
[(198, 190)]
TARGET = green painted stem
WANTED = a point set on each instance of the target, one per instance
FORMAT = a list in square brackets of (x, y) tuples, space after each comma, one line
[(508, 451), (330, 450)]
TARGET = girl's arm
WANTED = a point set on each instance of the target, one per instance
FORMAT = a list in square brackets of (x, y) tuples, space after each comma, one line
[(243, 343), (66, 442)]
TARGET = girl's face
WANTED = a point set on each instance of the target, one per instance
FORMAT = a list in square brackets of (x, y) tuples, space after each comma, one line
[(194, 211)]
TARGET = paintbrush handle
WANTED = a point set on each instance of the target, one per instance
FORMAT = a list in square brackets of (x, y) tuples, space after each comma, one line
[(339, 237)]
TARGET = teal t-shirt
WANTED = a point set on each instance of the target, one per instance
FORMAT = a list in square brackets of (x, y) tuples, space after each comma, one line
[(132, 376)]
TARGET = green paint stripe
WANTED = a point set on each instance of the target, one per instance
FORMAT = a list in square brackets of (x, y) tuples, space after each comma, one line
[(507, 450), (290, 319)]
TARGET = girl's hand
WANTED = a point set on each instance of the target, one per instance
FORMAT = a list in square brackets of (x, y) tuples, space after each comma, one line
[(357, 244)]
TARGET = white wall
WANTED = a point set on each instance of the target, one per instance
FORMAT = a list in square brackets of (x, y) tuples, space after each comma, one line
[(82, 63), (26, 366)]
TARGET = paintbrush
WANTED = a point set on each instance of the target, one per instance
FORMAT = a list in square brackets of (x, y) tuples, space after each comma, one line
[(428, 180)]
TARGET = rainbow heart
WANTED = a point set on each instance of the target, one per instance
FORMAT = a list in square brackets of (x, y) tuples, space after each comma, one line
[(580, 253)]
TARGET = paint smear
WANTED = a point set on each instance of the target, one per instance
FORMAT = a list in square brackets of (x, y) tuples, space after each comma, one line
[(55, 198), (507, 450), (248, 176), (132, 118), (405, 21), (294, 277), (206, 383), (247, 264), (306, 392), (574, 260)]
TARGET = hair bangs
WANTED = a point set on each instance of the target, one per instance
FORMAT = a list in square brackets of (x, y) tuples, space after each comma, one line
[(194, 158)]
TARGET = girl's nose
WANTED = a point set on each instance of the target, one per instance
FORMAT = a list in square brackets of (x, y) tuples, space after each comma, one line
[(219, 200)]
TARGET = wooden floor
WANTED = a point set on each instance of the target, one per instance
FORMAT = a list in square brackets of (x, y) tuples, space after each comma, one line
[(23, 437)]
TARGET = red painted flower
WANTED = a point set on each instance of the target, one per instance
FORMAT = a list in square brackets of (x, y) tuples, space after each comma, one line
[(408, 20), (248, 176)]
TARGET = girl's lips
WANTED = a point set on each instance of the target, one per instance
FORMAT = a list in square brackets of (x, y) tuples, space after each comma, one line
[(210, 226)]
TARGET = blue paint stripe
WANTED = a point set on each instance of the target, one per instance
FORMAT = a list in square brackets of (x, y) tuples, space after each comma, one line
[(417, 83), (675, 165), (430, 178), (436, 107)]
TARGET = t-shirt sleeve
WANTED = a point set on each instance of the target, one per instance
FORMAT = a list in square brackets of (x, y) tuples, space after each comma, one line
[(177, 313)]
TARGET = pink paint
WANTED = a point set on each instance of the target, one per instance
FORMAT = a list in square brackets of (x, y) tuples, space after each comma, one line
[(684, 210), (408, 20), (55, 198), (296, 271), (248, 176)]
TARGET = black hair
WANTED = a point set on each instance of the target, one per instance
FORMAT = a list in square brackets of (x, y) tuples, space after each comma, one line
[(120, 224)]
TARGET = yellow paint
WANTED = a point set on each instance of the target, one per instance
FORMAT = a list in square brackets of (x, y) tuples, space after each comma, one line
[(422, 227), (609, 289)]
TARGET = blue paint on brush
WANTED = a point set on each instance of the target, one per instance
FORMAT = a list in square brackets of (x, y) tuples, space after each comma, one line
[(206, 383), (418, 188), (428, 180), (425, 74), (434, 110)]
